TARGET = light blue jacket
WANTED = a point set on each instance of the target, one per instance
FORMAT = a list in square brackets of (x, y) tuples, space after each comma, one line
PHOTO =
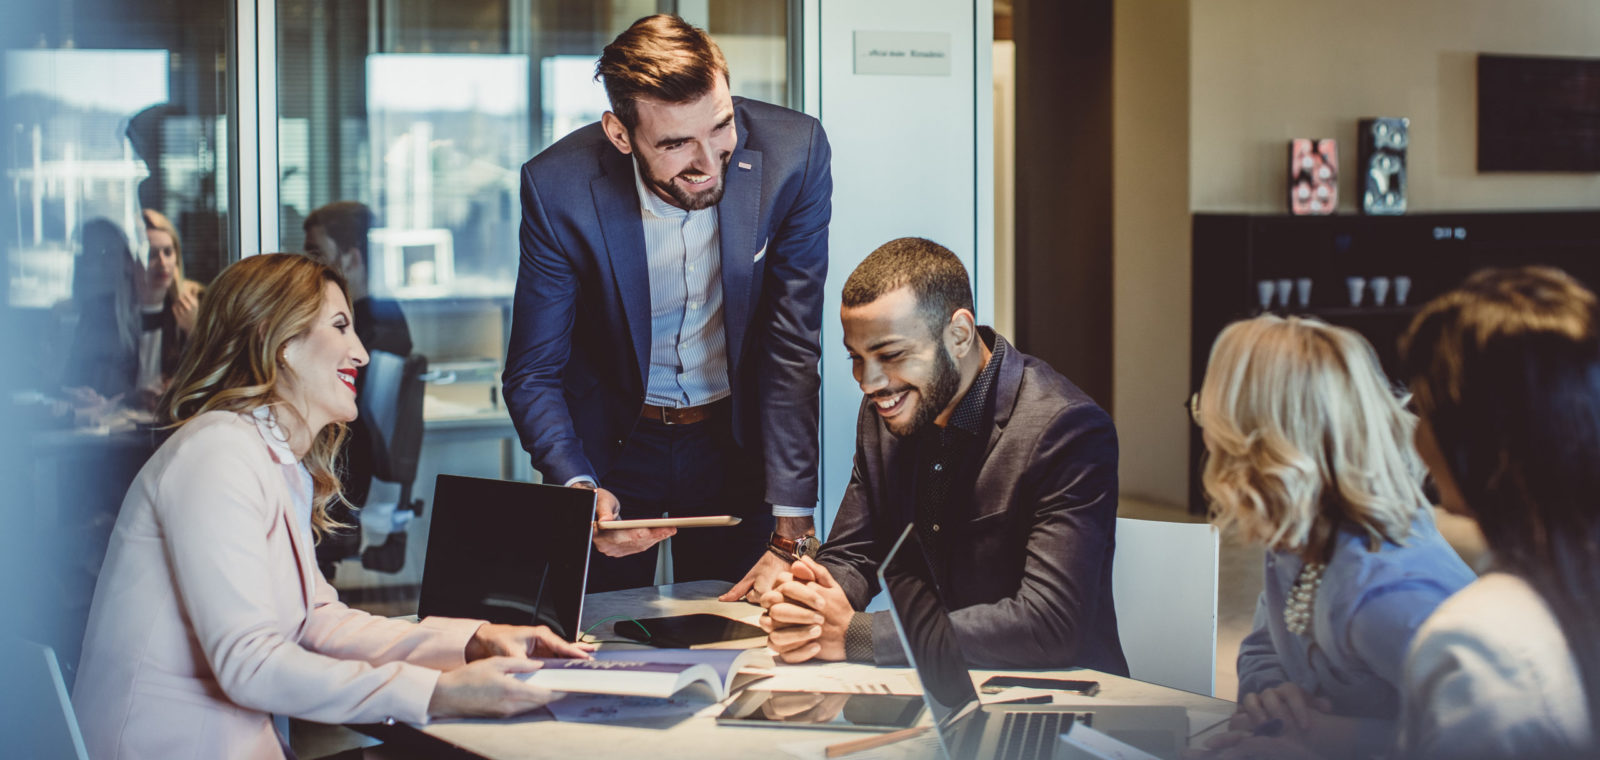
[(1368, 608)]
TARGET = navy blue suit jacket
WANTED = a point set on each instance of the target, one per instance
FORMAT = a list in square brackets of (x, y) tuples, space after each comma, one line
[(1027, 570), (579, 352)]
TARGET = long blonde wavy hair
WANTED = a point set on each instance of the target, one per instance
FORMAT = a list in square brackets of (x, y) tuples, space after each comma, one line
[(251, 311), (1303, 432)]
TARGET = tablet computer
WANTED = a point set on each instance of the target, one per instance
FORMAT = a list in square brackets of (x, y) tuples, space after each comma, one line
[(806, 709), (711, 521), (684, 631)]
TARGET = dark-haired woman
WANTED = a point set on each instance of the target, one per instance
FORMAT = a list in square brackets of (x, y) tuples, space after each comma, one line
[(1506, 376)]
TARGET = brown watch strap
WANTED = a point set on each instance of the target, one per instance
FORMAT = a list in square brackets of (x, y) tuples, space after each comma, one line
[(787, 548)]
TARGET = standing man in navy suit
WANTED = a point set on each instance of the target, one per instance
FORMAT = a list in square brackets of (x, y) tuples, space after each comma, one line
[(668, 313)]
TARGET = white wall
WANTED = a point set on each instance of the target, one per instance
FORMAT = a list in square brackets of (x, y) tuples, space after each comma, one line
[(1003, 281), (912, 155), (1262, 76), (1150, 239)]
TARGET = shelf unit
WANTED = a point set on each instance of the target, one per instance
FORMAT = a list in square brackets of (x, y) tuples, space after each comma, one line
[(1233, 252)]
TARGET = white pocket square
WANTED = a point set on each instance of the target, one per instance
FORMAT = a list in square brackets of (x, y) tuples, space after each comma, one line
[(761, 254)]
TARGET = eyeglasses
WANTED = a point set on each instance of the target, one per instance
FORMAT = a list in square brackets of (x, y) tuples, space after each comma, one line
[(1193, 405)]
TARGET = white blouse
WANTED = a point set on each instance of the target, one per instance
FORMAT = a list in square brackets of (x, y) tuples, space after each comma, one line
[(1490, 676)]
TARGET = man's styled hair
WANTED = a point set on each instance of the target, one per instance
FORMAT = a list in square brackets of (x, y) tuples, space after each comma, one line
[(935, 275), (347, 222), (661, 57)]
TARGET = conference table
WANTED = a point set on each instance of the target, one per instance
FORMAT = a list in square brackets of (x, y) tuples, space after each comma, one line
[(539, 735)]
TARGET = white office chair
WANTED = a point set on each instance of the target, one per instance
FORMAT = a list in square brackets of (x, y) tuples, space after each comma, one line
[(1164, 581), (36, 716)]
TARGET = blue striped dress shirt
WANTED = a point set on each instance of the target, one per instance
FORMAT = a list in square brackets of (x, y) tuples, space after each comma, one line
[(688, 345)]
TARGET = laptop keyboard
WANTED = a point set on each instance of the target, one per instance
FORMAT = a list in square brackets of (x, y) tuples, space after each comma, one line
[(1031, 735)]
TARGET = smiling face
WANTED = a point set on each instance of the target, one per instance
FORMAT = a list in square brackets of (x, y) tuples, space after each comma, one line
[(163, 265), (322, 364), (905, 371), (683, 148)]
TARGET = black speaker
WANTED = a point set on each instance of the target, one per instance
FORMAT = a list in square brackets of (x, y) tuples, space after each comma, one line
[(1382, 163)]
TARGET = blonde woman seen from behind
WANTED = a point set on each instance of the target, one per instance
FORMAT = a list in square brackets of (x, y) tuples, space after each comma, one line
[(1308, 454), (210, 614)]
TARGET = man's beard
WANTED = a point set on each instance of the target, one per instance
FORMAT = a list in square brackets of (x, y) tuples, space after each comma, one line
[(935, 396), (683, 198)]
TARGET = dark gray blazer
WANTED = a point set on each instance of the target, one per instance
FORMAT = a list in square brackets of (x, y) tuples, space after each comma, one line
[(1027, 570)]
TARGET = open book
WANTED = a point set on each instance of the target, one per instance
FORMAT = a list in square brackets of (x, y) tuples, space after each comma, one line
[(654, 672)]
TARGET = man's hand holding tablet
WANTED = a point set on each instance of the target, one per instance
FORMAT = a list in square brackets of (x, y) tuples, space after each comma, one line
[(620, 538)]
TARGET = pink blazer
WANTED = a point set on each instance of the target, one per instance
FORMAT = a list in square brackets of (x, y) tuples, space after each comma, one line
[(210, 614)]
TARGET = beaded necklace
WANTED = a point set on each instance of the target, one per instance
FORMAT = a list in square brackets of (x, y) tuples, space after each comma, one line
[(1302, 597)]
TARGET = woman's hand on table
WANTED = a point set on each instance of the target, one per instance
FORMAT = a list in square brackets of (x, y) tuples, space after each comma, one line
[(1286, 702), (521, 641), (487, 688)]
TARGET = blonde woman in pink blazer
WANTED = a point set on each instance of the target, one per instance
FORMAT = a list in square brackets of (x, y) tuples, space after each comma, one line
[(210, 614)]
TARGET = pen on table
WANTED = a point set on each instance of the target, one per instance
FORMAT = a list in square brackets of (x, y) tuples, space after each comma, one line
[(1037, 699), (872, 742)]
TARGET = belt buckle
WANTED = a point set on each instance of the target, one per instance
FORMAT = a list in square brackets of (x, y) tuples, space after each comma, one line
[(666, 415)]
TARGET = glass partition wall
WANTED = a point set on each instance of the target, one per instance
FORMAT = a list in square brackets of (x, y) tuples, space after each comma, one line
[(425, 112), (113, 114)]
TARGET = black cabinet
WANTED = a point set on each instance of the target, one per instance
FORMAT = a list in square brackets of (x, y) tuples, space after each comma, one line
[(1234, 254)]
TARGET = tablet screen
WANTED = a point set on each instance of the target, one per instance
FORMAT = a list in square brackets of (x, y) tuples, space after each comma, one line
[(863, 712)]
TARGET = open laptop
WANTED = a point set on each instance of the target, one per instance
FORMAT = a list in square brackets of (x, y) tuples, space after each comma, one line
[(508, 552), (968, 729)]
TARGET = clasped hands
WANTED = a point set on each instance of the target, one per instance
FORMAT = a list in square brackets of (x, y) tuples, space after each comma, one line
[(806, 613)]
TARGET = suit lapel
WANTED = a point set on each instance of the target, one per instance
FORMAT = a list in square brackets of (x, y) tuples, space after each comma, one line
[(738, 216), (616, 203), (305, 557), (1006, 387)]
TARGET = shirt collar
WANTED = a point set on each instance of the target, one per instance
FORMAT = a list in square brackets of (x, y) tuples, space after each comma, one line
[(651, 203), (276, 437), (969, 414)]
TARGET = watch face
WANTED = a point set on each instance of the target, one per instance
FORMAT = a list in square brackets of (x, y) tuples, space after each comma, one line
[(808, 545)]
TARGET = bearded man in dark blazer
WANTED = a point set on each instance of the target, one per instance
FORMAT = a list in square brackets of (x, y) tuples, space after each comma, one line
[(1007, 470)]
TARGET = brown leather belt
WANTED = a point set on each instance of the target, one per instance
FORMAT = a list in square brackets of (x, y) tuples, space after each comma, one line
[(685, 415)]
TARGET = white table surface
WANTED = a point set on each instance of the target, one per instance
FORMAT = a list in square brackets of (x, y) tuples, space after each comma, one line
[(537, 735)]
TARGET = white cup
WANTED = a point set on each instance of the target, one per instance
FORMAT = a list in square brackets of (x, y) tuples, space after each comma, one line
[(1358, 288), (1380, 291), (1402, 290), (1302, 288), (1285, 288), (1264, 290)]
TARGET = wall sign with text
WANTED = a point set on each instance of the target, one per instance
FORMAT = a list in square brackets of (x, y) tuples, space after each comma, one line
[(903, 53)]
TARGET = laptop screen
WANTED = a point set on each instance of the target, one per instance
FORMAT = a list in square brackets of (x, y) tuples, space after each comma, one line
[(507, 552), (925, 628)]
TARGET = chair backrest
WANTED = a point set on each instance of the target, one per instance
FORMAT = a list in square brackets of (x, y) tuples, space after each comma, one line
[(1164, 581), (391, 404), (36, 716)]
